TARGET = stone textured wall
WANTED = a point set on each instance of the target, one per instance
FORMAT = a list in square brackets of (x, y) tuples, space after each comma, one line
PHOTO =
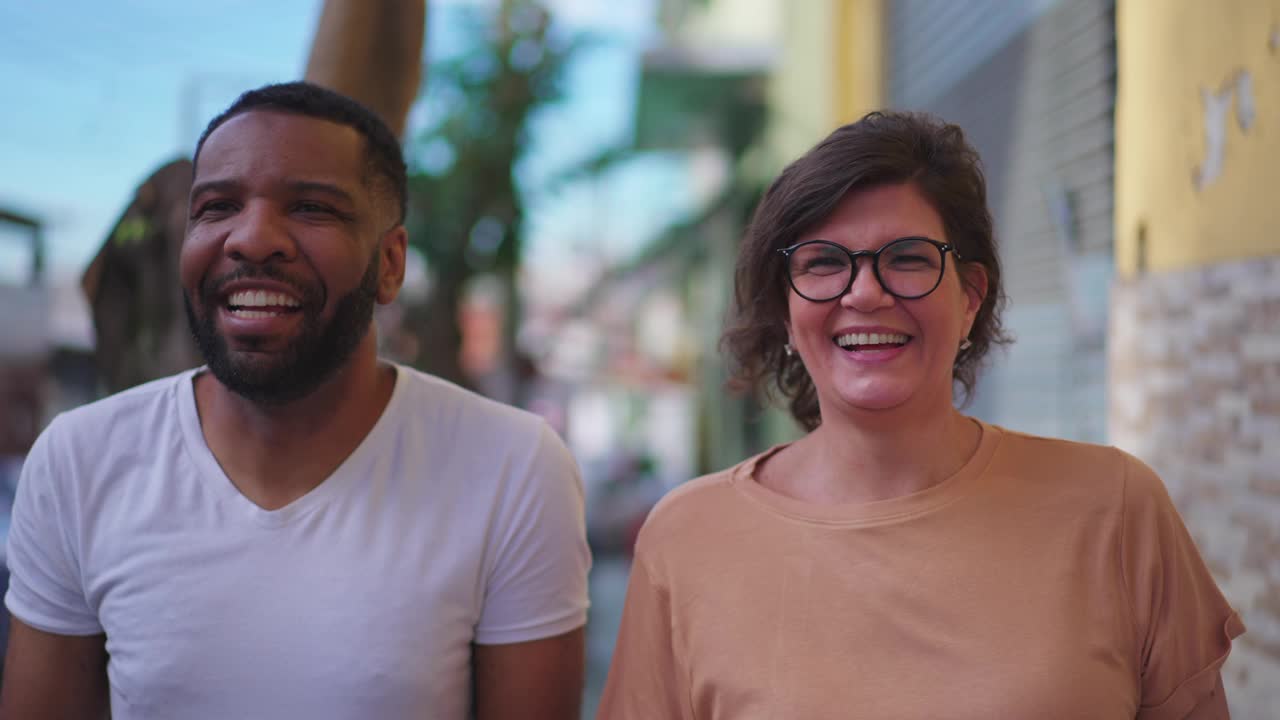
[(1195, 392)]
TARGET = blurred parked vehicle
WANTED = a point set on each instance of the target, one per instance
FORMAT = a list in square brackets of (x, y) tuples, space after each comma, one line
[(618, 504)]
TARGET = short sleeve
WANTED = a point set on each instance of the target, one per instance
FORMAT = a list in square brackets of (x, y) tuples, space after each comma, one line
[(644, 675), (537, 583), (45, 591), (1184, 626)]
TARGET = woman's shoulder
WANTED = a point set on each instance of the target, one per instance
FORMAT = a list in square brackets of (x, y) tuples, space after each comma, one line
[(1021, 452), (692, 509), (1093, 477), (692, 498)]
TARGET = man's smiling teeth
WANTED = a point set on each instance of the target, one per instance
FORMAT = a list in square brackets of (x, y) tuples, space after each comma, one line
[(856, 339), (242, 303), (260, 298)]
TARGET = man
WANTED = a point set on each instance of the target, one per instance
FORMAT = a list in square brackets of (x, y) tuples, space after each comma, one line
[(297, 530), (368, 50)]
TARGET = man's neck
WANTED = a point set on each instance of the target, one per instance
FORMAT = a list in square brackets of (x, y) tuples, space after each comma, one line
[(275, 454)]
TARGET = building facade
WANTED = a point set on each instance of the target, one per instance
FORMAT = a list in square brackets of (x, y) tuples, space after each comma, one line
[(1195, 312)]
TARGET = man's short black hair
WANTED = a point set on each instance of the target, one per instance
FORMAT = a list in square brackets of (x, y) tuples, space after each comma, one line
[(382, 149)]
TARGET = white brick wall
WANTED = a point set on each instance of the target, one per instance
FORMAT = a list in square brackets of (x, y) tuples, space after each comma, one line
[(1195, 392)]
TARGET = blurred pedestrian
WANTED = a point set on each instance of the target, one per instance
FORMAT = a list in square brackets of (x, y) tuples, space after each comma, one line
[(903, 559), (297, 529)]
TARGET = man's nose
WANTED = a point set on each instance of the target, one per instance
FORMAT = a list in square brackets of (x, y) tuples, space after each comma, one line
[(259, 235), (866, 293)]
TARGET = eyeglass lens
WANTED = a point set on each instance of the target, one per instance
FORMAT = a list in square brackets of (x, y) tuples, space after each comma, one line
[(908, 268)]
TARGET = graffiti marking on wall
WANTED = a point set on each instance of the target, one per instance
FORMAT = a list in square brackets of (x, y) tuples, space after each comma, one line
[(1215, 108)]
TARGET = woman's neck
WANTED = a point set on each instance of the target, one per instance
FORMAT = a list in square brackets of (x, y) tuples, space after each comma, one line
[(876, 455)]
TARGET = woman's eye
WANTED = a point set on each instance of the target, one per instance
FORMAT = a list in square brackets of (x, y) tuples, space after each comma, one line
[(909, 260), (823, 264)]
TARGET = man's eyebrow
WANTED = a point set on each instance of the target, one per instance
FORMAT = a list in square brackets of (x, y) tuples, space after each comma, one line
[(213, 186), (322, 188), (297, 186)]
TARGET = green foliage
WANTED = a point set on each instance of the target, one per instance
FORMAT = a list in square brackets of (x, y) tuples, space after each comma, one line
[(465, 210), (465, 206)]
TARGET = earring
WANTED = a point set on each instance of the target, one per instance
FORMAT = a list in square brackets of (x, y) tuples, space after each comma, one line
[(788, 349), (965, 344)]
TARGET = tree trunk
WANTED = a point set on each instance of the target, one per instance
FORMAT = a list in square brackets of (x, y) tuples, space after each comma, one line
[(371, 50), (436, 325)]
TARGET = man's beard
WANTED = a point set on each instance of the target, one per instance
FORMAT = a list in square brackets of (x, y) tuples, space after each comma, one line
[(312, 357)]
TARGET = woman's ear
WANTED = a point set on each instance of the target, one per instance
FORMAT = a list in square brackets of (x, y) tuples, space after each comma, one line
[(973, 280)]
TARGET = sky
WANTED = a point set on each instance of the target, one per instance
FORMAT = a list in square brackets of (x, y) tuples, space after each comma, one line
[(97, 96)]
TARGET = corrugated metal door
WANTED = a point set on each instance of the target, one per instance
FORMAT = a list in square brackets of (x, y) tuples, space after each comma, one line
[(1033, 85)]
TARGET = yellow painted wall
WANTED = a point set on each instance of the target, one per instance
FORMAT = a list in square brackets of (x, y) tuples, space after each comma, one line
[(829, 71), (1171, 53), (801, 107), (859, 58)]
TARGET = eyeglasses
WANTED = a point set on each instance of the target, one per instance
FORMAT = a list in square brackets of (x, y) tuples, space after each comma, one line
[(907, 268)]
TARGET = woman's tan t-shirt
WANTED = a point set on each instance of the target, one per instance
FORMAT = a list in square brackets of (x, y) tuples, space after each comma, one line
[(1046, 579)]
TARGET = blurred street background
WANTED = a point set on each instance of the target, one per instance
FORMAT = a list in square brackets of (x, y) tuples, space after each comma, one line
[(581, 172)]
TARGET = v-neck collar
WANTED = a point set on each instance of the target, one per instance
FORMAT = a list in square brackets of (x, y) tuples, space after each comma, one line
[(213, 476)]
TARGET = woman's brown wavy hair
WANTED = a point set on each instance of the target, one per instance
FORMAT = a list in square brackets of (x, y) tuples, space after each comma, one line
[(883, 148)]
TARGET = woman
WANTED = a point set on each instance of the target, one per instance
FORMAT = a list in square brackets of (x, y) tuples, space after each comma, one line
[(903, 560)]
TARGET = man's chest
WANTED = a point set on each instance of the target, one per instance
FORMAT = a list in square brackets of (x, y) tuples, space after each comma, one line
[(323, 620)]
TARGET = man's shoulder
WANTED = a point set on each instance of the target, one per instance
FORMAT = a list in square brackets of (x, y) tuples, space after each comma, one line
[(82, 448), (440, 402), (127, 411)]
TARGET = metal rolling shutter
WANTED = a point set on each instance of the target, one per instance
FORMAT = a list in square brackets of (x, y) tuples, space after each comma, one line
[(1033, 85)]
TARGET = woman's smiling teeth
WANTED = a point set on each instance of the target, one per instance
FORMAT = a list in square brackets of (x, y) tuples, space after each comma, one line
[(857, 341), (259, 303)]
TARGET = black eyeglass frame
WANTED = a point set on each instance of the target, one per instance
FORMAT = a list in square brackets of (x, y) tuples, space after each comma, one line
[(943, 249)]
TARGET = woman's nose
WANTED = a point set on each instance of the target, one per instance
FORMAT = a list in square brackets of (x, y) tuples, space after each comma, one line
[(865, 293)]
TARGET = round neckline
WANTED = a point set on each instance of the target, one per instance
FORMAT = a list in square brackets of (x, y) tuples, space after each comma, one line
[(213, 476), (877, 512)]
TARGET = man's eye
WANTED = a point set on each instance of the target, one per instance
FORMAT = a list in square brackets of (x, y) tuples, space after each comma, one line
[(312, 208), (215, 207)]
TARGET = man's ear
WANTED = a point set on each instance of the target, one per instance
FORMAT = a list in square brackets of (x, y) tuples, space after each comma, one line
[(392, 248)]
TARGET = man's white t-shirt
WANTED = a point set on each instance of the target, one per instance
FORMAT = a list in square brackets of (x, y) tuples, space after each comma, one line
[(456, 521)]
